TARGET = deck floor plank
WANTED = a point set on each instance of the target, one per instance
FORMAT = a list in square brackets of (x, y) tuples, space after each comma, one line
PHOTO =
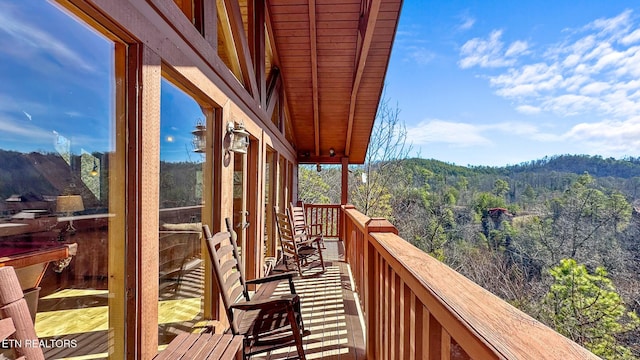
[(329, 305)]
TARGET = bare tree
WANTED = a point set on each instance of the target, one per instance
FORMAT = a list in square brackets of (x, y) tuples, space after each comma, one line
[(370, 184)]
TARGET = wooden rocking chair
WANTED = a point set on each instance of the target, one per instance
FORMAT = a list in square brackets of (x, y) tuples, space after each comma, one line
[(297, 247), (299, 220), (266, 323)]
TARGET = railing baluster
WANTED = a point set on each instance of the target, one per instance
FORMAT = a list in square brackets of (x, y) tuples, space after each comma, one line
[(415, 329), (435, 338), (326, 214), (373, 324), (405, 322), (385, 309), (445, 350), (414, 308), (394, 321)]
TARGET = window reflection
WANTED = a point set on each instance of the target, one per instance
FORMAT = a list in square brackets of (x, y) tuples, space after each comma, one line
[(57, 119), (181, 270)]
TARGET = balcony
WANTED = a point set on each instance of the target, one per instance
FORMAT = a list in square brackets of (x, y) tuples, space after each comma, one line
[(382, 298), (415, 307)]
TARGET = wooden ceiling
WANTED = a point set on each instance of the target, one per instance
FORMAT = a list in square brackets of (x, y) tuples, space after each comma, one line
[(333, 56)]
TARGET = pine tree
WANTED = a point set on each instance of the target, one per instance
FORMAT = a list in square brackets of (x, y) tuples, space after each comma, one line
[(587, 309)]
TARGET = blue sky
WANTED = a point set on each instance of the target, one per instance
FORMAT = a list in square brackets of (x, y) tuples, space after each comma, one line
[(57, 83), (57, 79), (503, 82), (477, 82)]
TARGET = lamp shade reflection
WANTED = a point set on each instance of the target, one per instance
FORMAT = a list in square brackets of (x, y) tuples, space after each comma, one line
[(69, 204)]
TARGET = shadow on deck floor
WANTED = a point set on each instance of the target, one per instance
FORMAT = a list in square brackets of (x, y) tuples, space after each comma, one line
[(329, 305), (330, 310)]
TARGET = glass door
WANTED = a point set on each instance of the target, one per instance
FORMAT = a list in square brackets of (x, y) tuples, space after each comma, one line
[(181, 265), (240, 209)]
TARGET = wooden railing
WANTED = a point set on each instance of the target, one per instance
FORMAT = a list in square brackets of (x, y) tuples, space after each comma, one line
[(326, 214), (416, 307)]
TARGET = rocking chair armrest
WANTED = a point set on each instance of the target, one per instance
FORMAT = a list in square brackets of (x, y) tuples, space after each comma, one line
[(315, 239), (270, 278), (281, 301)]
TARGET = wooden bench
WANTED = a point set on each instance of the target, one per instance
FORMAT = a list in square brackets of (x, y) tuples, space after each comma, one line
[(189, 346)]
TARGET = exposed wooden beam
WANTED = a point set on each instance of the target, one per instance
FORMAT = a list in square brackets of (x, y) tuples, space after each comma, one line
[(314, 74), (210, 21), (371, 19), (320, 159), (227, 36), (257, 40), (242, 47), (161, 16), (273, 91), (283, 110)]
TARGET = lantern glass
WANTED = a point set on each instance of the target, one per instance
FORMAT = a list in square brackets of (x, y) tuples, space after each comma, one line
[(240, 141), (199, 138)]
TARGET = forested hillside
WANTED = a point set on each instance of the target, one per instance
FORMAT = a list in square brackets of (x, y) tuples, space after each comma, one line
[(557, 238)]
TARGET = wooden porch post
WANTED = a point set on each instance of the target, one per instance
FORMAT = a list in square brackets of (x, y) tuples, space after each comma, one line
[(345, 181)]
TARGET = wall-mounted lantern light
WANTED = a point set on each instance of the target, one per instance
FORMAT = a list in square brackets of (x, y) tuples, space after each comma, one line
[(332, 152), (199, 138), (239, 138), (318, 167)]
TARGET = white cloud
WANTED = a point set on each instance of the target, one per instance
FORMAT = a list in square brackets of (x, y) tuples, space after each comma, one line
[(529, 80), (595, 88), (489, 52), (23, 130), (522, 129), (591, 73), (35, 42), (572, 104), (614, 26), (467, 22), (632, 38), (630, 64), (458, 134), (453, 133), (528, 109), (420, 55), (517, 48), (609, 137)]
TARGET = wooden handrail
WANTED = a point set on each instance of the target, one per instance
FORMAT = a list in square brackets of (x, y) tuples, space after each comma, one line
[(416, 307)]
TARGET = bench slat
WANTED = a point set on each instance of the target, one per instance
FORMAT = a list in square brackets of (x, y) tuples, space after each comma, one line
[(232, 351), (205, 341), (173, 347), (217, 351), (202, 346)]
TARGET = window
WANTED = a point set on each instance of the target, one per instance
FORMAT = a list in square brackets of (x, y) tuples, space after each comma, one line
[(59, 157)]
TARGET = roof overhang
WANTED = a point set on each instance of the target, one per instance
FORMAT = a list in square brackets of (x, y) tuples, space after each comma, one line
[(333, 56)]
